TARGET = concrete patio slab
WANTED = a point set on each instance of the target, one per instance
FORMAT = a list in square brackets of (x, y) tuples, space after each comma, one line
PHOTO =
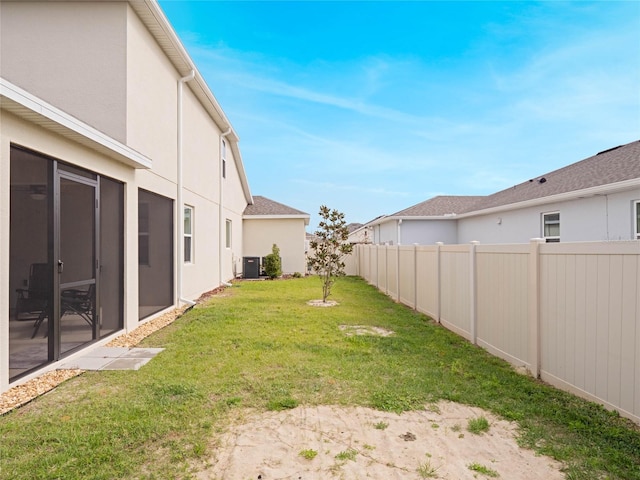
[(112, 358), (126, 364), (142, 352)]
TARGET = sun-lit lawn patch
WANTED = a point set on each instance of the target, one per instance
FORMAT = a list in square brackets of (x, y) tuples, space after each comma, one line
[(260, 346)]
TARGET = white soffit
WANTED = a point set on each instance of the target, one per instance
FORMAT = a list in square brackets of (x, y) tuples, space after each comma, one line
[(15, 100)]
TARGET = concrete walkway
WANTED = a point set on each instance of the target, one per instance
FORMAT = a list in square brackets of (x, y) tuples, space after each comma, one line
[(112, 358)]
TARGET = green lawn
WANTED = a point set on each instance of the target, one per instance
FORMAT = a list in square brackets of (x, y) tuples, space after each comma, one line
[(259, 345)]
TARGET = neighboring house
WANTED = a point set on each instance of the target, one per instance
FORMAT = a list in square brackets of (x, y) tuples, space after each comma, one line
[(359, 233), (362, 233), (426, 223), (266, 222), (595, 199), (122, 188)]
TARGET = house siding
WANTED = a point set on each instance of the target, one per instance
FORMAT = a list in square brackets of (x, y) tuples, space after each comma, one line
[(597, 218), (151, 100), (288, 234), (428, 232), (234, 203), (386, 232), (136, 103), (58, 41)]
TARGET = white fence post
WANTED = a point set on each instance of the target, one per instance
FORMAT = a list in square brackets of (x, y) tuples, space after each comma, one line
[(534, 306), (415, 276), (398, 273), (438, 280), (377, 284), (386, 269), (473, 304)]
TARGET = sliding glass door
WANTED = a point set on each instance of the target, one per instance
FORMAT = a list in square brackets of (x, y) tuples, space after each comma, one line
[(66, 259), (76, 226)]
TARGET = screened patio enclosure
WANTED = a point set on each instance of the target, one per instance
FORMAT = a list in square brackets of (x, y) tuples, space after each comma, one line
[(66, 259), (155, 253)]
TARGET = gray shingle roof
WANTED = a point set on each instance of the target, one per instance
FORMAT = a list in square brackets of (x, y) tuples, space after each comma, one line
[(265, 206), (439, 206), (352, 227), (610, 166)]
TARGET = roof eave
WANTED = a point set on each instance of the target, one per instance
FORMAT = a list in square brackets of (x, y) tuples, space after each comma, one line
[(306, 218), (394, 218), (21, 103), (561, 197)]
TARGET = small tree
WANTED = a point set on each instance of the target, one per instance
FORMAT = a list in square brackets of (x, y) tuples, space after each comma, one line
[(273, 263), (329, 248)]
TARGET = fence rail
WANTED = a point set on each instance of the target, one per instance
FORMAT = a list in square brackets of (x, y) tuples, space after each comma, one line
[(567, 312)]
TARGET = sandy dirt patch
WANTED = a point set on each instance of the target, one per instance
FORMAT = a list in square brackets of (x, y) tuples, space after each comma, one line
[(358, 443), (320, 303), (366, 330)]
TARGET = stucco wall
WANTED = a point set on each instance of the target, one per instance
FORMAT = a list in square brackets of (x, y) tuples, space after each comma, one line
[(153, 87), (288, 234), (597, 218), (71, 54), (234, 203), (151, 100), (428, 232), (129, 92), (386, 233)]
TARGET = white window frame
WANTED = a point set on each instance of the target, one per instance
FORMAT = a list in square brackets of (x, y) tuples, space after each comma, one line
[(636, 219), (228, 233), (188, 236), (545, 222)]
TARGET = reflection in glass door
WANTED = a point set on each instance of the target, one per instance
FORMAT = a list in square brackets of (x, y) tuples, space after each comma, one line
[(76, 260)]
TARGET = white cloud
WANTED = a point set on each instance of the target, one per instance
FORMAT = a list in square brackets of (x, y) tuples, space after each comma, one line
[(379, 134)]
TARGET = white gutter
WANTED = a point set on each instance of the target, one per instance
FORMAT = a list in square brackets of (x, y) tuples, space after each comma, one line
[(279, 217), (223, 222), (599, 190), (559, 197), (180, 203)]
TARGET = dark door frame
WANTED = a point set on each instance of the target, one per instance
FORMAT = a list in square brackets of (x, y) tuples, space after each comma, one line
[(55, 333)]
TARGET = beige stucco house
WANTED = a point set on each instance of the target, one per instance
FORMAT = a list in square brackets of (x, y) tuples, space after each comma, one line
[(267, 222), (122, 188)]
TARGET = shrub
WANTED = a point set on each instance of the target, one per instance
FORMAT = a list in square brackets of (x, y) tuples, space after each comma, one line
[(273, 263)]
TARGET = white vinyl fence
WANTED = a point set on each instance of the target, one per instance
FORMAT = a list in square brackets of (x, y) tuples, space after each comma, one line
[(567, 312)]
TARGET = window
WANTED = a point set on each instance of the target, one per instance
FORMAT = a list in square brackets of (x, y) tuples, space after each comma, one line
[(551, 226), (637, 218), (223, 155), (188, 234), (228, 236)]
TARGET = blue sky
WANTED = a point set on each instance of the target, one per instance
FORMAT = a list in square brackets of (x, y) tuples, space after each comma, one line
[(371, 107)]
